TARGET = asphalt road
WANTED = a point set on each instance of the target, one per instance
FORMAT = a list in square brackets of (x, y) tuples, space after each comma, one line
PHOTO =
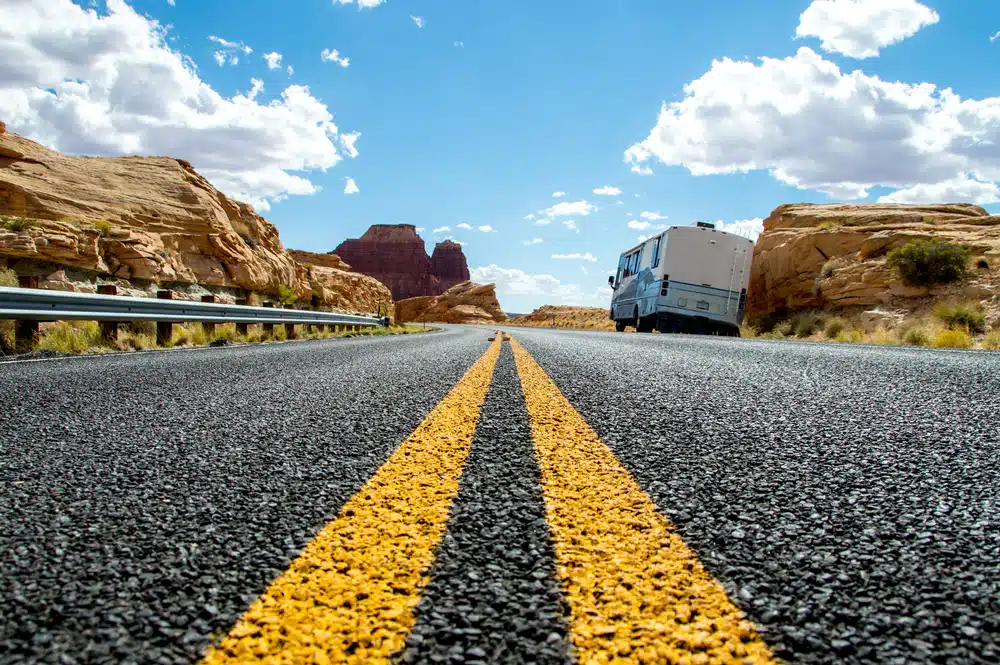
[(844, 497)]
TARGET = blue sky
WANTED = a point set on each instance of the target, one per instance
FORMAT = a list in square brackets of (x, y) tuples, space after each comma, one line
[(485, 110)]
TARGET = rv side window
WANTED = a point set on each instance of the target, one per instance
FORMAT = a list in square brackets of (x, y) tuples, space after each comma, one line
[(656, 252)]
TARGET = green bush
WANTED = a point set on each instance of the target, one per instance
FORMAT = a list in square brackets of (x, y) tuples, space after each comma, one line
[(916, 336), (927, 262), (286, 296), (952, 339), (834, 327), (969, 317), (805, 324), (103, 227), (16, 224)]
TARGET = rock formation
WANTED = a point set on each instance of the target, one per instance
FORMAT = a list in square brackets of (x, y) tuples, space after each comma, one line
[(394, 254), (148, 221), (566, 316), (466, 302), (834, 255)]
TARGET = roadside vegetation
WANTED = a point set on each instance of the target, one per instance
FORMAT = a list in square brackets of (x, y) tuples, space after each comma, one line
[(929, 262), (79, 337), (955, 325)]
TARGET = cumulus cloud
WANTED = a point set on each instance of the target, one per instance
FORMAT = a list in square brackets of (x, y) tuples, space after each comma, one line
[(441, 229), (568, 208), (961, 189), (859, 28), (273, 60), (576, 256), (813, 127), (651, 216), (334, 56), (463, 225), (347, 141), (534, 241), (608, 190), (420, 228), (558, 195), (228, 53), (543, 221), (350, 187), (486, 228), (641, 170), (172, 3), (637, 225), (107, 83), (571, 225), (546, 288), (418, 20), (748, 228), (362, 4)]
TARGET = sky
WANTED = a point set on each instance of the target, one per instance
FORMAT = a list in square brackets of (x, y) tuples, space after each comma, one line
[(546, 137)]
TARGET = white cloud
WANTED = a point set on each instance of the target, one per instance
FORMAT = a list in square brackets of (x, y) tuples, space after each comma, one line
[(543, 221), (960, 189), (107, 83), (576, 256), (859, 28), (347, 141), (567, 208), (571, 225), (651, 216), (813, 127), (545, 288), (534, 241), (441, 229), (362, 4), (419, 229), (486, 228), (350, 187), (256, 87), (637, 225), (418, 20), (273, 60), (608, 190), (995, 37), (641, 170), (172, 3), (558, 195), (334, 56), (748, 228), (458, 44), (463, 225), (228, 52)]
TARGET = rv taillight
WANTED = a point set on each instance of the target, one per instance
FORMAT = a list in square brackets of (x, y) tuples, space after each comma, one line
[(666, 285), (743, 298)]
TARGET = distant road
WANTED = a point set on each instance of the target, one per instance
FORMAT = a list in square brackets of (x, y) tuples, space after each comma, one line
[(565, 497)]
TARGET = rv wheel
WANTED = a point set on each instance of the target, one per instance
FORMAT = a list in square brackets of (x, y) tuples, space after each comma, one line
[(646, 324), (620, 326)]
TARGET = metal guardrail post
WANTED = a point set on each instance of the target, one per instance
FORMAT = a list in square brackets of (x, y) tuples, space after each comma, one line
[(289, 331), (164, 329), (268, 327), (242, 328), (26, 332), (209, 326), (109, 329)]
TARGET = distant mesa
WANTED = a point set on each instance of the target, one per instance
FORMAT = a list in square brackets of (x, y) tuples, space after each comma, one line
[(394, 254)]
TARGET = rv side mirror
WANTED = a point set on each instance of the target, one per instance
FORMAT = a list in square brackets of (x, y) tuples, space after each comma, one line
[(611, 281)]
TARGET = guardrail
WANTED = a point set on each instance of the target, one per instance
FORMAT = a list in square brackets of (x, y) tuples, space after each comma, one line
[(29, 306)]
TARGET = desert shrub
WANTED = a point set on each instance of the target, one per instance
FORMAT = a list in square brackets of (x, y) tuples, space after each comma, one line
[(850, 336), (952, 339), (916, 336), (66, 337), (103, 227), (805, 324), (926, 262), (248, 239), (969, 316), (783, 329), (834, 327), (748, 330), (16, 224), (882, 335), (286, 295), (140, 327), (983, 264), (225, 332), (829, 225), (992, 341), (8, 277), (280, 333)]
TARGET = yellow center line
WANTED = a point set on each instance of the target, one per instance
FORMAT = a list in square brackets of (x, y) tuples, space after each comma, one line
[(637, 592), (349, 595)]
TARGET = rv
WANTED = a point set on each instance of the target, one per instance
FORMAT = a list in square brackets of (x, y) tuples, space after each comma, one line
[(686, 279)]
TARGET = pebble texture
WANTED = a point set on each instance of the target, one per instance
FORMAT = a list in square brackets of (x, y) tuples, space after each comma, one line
[(146, 500), (845, 496), (493, 595)]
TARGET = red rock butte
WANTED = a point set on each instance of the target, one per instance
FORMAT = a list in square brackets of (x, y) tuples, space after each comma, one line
[(394, 254)]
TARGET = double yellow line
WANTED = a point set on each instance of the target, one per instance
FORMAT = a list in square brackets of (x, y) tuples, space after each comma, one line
[(636, 592)]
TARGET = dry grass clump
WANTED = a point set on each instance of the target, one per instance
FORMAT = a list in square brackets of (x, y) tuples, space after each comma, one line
[(970, 317), (916, 335), (835, 327), (953, 339), (991, 342), (71, 337)]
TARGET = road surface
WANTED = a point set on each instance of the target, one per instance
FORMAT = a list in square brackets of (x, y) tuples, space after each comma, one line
[(564, 497)]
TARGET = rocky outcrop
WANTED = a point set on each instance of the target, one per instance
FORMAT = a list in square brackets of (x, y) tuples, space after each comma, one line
[(466, 302), (146, 221), (394, 254), (566, 316), (834, 255), (331, 283)]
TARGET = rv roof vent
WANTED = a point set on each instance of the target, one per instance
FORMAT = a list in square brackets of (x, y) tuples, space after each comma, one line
[(706, 225)]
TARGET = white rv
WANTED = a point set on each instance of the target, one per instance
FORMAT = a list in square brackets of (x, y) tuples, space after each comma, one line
[(686, 279)]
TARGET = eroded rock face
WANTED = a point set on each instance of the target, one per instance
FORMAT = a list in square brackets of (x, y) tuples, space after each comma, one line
[(466, 302), (852, 242), (150, 220), (330, 283), (394, 254)]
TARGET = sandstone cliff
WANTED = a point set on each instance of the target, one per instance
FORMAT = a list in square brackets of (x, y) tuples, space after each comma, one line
[(830, 256), (466, 302), (566, 316), (394, 254), (149, 221)]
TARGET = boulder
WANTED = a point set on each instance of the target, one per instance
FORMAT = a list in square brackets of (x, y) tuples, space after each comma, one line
[(834, 255), (395, 255), (146, 221), (466, 302)]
